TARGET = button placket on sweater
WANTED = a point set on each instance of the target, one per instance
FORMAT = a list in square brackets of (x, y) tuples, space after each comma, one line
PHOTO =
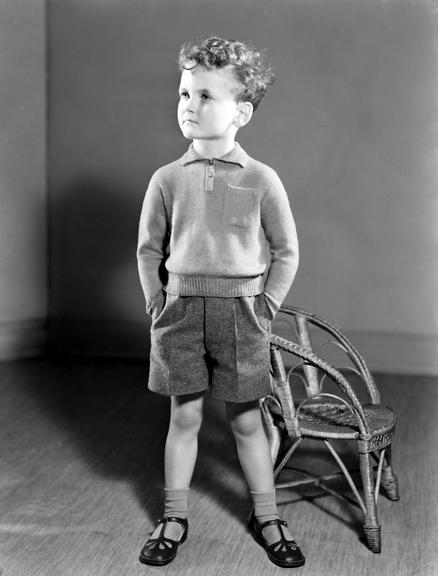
[(209, 175)]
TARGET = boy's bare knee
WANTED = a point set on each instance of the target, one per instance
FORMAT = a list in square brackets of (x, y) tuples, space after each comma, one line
[(186, 414), (244, 422)]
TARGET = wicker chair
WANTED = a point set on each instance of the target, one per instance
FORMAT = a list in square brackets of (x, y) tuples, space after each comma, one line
[(326, 416)]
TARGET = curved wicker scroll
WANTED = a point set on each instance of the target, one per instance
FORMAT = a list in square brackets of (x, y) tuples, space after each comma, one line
[(335, 375), (345, 343)]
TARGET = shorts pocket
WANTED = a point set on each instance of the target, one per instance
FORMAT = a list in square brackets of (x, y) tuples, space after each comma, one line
[(267, 309), (242, 206), (259, 312), (170, 312)]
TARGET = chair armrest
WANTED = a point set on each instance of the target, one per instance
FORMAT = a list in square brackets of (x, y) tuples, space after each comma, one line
[(311, 358)]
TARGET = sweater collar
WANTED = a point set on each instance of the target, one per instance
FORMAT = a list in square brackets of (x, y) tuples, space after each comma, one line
[(236, 156)]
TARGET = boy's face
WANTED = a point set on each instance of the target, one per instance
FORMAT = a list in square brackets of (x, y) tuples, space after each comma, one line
[(207, 108)]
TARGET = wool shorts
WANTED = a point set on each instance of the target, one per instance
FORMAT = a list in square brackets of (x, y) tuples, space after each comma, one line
[(207, 343)]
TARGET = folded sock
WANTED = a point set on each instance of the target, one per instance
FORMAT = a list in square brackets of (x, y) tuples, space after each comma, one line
[(265, 506), (176, 502)]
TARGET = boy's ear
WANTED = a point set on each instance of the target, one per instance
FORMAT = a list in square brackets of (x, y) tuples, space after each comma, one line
[(245, 111)]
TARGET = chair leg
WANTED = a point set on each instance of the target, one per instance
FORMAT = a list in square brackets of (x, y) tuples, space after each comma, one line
[(389, 479), (371, 527)]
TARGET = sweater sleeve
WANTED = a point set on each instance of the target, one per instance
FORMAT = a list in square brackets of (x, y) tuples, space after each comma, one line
[(152, 243), (280, 231)]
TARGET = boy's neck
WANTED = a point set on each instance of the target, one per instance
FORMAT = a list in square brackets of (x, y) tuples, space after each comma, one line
[(213, 149)]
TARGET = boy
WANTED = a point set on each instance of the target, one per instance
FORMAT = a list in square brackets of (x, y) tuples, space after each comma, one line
[(217, 255)]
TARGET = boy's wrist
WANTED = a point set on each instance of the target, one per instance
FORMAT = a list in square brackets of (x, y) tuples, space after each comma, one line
[(155, 303)]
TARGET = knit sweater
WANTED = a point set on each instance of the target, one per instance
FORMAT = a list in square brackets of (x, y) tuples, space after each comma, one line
[(217, 227)]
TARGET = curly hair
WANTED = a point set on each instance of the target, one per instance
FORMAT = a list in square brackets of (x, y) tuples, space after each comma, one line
[(252, 74)]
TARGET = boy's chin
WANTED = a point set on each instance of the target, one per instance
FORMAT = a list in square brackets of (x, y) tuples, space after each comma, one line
[(189, 134)]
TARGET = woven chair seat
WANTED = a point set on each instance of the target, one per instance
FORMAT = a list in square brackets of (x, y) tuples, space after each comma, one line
[(333, 420)]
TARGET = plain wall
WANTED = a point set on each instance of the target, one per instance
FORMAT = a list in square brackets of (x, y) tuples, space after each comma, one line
[(350, 125), (23, 191)]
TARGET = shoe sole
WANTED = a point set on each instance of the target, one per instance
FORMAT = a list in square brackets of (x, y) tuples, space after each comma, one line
[(155, 562)]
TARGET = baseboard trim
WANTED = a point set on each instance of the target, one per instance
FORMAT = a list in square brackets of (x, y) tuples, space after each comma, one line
[(398, 353), (22, 339), (384, 352)]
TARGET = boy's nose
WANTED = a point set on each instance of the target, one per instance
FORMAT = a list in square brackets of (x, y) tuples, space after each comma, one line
[(191, 105)]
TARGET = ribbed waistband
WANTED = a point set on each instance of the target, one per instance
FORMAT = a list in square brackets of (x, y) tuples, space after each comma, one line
[(184, 285)]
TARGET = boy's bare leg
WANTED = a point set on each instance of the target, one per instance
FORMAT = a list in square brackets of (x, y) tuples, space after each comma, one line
[(254, 453), (181, 448), (182, 439), (252, 445)]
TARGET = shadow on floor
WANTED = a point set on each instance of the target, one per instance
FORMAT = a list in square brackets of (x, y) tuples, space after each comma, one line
[(119, 428)]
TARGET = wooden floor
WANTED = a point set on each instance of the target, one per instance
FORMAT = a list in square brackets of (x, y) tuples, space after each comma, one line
[(81, 466)]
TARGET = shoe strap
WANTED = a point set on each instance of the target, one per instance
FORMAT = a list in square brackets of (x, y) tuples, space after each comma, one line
[(274, 522), (181, 521), (278, 522)]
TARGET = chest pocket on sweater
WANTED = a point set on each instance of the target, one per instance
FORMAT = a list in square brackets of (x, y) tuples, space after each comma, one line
[(242, 207)]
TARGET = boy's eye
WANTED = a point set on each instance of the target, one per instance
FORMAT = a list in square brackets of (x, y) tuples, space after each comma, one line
[(205, 96), (183, 94)]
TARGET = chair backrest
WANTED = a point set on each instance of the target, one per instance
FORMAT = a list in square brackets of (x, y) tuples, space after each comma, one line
[(282, 391), (305, 323)]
